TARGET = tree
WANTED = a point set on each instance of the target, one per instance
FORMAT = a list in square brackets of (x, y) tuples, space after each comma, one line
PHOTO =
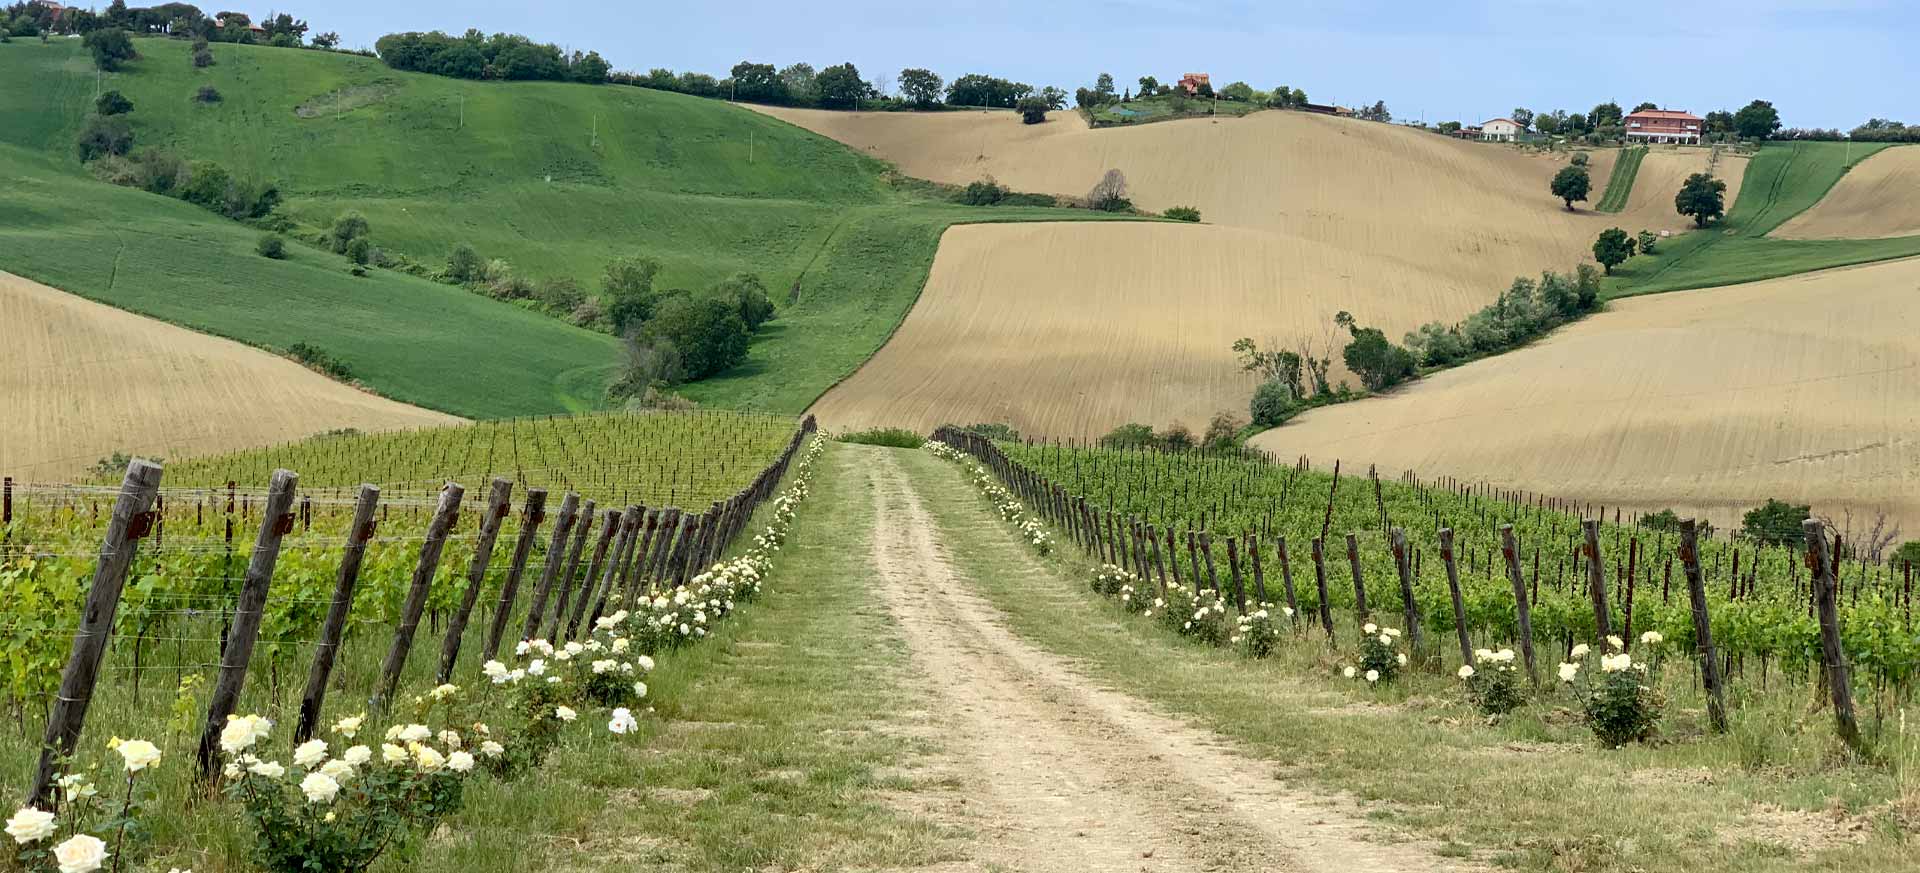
[(1275, 365), (360, 250), (749, 298), (1908, 553), (326, 41), (1103, 86), (1240, 91), (1643, 106), (799, 81), (1223, 432), (976, 89), (757, 83), (1033, 110), (627, 291), (271, 245), (1055, 98), (1149, 86), (1647, 240), (1756, 120), (1110, 193), (112, 103), (920, 85), (593, 69), (104, 135), (1379, 364), (709, 333), (1549, 122), (464, 264), (1776, 523), (1524, 117), (1613, 247), (1607, 113), (841, 85), (1702, 197), (111, 47), (1719, 121), (1271, 403), (1128, 436), (1571, 184)]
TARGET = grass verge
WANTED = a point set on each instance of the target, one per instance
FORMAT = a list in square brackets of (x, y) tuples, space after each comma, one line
[(1620, 182), (1531, 792)]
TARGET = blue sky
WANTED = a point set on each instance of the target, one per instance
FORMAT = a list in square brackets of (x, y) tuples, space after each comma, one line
[(1823, 63)]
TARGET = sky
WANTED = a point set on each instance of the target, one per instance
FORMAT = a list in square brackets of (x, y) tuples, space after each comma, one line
[(1823, 63)]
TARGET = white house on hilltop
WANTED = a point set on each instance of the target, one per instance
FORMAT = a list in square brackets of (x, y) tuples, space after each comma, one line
[(1500, 130)]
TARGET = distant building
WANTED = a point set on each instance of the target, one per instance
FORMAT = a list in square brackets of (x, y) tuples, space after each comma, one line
[(1500, 130), (1661, 125), (1191, 82)]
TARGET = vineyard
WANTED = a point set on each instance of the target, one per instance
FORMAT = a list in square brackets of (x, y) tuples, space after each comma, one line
[(226, 586), (1474, 566)]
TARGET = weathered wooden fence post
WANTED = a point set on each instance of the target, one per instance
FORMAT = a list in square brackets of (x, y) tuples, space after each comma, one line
[(498, 493), (535, 512), (650, 523), (609, 528), (335, 625), (1702, 627), (1453, 589), (68, 713), (1522, 605), (556, 556), (1233, 570), (1286, 579), (1403, 565), (1597, 581), (435, 542), (623, 546), (1834, 656), (276, 521), (1360, 611), (582, 530), (1320, 580), (1259, 571)]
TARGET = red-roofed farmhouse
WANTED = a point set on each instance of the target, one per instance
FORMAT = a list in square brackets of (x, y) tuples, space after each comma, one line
[(1661, 125)]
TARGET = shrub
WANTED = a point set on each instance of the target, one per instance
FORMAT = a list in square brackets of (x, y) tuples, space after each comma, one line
[(1033, 110), (359, 250), (314, 357), (112, 103), (1272, 404), (464, 264), (207, 94), (104, 135), (1183, 213), (1618, 704), (1493, 685), (985, 192), (1107, 581), (350, 225), (626, 290), (709, 333), (110, 47), (271, 246), (1580, 159), (1176, 437), (1257, 633), (895, 437), (749, 298), (1647, 240), (1223, 432), (651, 363), (1110, 193), (559, 294), (202, 58), (1129, 436), (161, 172), (994, 431), (206, 185), (1776, 523), (1379, 364), (1380, 655)]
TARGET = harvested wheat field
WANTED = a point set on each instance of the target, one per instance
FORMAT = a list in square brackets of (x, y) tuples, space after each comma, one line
[(1068, 329), (1662, 172), (1707, 401), (83, 380), (1877, 199)]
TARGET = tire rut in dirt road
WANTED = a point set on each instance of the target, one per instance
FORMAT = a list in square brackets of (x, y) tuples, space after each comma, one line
[(1058, 774)]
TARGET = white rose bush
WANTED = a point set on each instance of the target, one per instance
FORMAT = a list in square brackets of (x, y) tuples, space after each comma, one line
[(1617, 694), (1031, 527), (1380, 655), (1257, 633), (84, 832), (1493, 682)]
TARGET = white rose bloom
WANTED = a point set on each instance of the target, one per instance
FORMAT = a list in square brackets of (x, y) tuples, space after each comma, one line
[(31, 825), (492, 749), (1651, 638), (392, 754), (575, 648), (81, 853), (319, 788), (645, 663), (348, 727), (1348, 672), (639, 689), (415, 733), (1615, 642), (620, 645), (1370, 628), (1386, 640), (1401, 658), (536, 667), (1568, 672), (444, 691), (450, 739), (563, 656), (523, 648), (1373, 675), (427, 759), (338, 769), (565, 713), (622, 721), (1466, 671), (310, 753), (357, 755), (139, 755), (460, 762), (269, 769), (494, 670), (1579, 651)]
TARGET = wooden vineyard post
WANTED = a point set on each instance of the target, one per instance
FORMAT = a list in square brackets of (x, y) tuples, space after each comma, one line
[(1233, 569), (1193, 559), (335, 625), (582, 530), (629, 532), (1453, 589), (608, 528), (1173, 558), (1834, 656), (1403, 565), (1286, 579), (1703, 627), (1522, 607), (1206, 548), (556, 556), (497, 494), (1360, 611), (650, 522), (1259, 572), (1596, 581), (531, 515), (1159, 564), (1320, 579), (276, 521), (416, 601), (128, 523)]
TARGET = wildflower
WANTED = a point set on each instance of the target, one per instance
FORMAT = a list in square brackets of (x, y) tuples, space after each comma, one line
[(565, 713), (269, 769), (392, 754), (310, 753), (139, 755), (1373, 675), (357, 755), (1579, 651), (1652, 638), (1348, 672), (460, 762), (350, 726), (1466, 671), (81, 853), (319, 788), (30, 825), (1568, 672), (623, 721)]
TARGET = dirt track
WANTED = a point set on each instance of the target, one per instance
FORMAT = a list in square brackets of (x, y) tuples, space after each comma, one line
[(1057, 774)]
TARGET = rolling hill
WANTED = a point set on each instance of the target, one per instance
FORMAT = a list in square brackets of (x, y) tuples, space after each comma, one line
[(1878, 198)]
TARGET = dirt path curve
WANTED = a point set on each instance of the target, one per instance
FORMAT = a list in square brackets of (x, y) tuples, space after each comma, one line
[(1058, 774)]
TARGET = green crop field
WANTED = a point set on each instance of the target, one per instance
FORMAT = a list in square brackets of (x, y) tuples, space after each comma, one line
[(1146, 109), (1620, 182), (557, 179), (1781, 181)]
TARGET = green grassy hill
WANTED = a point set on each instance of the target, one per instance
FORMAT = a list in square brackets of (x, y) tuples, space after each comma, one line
[(557, 179), (1781, 181)]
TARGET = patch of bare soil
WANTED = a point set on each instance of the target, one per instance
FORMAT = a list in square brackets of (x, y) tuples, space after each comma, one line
[(1051, 772), (1801, 832)]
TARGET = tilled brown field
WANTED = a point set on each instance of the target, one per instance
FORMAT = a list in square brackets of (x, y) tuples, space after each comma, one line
[(1707, 401), (78, 376), (1877, 199)]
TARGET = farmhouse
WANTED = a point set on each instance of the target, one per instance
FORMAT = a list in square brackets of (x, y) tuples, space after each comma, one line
[(1191, 82), (1500, 130), (1661, 125)]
